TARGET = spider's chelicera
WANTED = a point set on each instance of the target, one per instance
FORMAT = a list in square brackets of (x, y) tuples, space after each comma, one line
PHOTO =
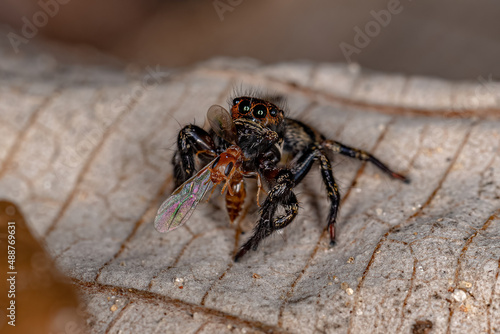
[(251, 141)]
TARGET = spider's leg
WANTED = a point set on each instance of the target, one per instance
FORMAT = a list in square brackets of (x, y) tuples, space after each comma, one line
[(363, 156), (190, 141), (333, 194), (302, 167), (280, 195)]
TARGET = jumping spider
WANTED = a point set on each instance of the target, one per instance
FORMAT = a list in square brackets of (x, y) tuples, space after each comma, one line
[(251, 142)]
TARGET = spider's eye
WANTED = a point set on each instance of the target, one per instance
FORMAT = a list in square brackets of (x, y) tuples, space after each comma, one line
[(259, 111), (244, 107), (273, 112), (236, 101)]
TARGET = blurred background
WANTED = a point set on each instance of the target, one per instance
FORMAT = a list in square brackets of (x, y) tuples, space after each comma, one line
[(453, 39)]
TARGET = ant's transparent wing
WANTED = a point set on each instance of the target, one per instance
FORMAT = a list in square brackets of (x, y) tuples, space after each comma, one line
[(222, 123), (177, 209)]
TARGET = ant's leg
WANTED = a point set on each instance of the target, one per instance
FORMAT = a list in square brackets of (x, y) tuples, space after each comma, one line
[(363, 156), (280, 194), (191, 140), (260, 187)]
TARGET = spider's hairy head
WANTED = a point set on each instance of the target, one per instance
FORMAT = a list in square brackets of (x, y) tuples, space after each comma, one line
[(264, 107), (260, 111), (259, 119)]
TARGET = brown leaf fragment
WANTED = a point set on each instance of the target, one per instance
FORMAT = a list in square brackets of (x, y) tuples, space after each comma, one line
[(37, 297)]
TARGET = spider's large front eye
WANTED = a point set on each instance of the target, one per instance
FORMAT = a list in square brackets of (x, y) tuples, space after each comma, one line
[(259, 111), (244, 107)]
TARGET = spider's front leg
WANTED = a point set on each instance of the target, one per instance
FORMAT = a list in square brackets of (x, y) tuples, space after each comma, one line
[(192, 140), (280, 195), (302, 166)]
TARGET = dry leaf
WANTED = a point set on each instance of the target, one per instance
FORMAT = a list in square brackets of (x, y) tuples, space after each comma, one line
[(87, 151)]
